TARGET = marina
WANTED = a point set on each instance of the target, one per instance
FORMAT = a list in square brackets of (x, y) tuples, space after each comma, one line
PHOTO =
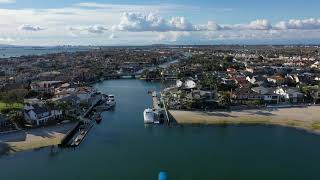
[(156, 114), (92, 116), (121, 140)]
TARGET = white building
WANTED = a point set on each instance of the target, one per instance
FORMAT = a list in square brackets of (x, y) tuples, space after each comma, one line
[(37, 115)]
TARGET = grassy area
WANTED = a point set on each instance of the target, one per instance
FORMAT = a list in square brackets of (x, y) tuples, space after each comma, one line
[(3, 106), (316, 125)]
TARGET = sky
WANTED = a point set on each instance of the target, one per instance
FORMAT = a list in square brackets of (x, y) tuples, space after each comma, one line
[(145, 22)]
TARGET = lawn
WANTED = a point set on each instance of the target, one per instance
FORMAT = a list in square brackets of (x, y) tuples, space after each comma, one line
[(3, 106)]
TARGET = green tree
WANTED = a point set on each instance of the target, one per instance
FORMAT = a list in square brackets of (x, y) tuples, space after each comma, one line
[(210, 81), (228, 58), (225, 99)]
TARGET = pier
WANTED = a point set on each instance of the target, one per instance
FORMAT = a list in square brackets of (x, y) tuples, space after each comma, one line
[(77, 134), (160, 107)]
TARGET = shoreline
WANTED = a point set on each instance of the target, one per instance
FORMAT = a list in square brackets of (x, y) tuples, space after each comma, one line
[(304, 118), (34, 138)]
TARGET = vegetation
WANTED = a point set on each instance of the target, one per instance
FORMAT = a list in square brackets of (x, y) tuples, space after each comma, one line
[(12, 99), (5, 107), (316, 125), (225, 99), (209, 82)]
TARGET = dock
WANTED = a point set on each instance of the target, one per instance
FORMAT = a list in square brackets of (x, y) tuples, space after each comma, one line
[(160, 107), (156, 101), (77, 134)]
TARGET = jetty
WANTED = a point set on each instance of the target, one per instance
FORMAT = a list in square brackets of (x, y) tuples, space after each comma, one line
[(160, 108), (77, 134)]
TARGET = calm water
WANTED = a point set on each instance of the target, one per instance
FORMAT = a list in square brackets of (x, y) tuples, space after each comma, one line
[(14, 51), (122, 148)]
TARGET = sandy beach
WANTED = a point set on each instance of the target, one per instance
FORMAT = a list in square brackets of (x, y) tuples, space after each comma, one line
[(34, 138), (307, 118)]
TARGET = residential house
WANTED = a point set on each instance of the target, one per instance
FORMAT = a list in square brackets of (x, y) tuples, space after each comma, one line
[(243, 95), (292, 95), (40, 115), (276, 79), (45, 86), (267, 94)]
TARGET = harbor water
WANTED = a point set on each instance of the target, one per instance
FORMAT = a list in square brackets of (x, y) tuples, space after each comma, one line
[(121, 147)]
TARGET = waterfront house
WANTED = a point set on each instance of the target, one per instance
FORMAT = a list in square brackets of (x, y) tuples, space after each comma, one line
[(245, 95), (267, 94), (292, 95), (40, 115)]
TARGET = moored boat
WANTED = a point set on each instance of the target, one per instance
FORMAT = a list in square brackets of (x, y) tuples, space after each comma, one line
[(111, 101), (148, 116)]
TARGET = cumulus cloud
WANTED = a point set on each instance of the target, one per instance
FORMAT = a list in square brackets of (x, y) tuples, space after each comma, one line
[(260, 24), (94, 29), (308, 24), (97, 29), (212, 26), (28, 27), (138, 22)]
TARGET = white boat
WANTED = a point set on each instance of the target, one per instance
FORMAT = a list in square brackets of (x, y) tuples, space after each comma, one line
[(148, 116), (111, 101)]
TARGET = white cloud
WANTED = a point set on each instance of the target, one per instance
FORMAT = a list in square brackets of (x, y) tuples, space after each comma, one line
[(7, 1), (173, 36), (94, 23), (303, 24), (138, 22), (260, 24), (97, 29), (210, 26), (94, 29), (28, 27)]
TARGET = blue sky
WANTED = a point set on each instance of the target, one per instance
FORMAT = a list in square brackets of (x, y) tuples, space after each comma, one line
[(124, 22)]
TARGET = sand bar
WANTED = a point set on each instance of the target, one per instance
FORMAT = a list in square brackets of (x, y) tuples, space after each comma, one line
[(307, 118), (34, 138)]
